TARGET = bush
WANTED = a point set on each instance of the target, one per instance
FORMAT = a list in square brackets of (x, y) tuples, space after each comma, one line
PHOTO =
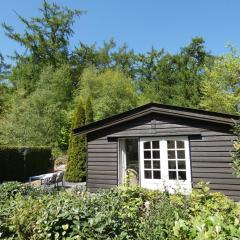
[(76, 164), (120, 213), (17, 164)]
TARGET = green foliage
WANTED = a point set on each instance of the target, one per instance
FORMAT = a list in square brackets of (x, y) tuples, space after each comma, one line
[(236, 153), (5, 96), (40, 118), (110, 90), (120, 213), (175, 79), (18, 163), (10, 192), (221, 90), (46, 37), (4, 69), (210, 216), (76, 166), (89, 111)]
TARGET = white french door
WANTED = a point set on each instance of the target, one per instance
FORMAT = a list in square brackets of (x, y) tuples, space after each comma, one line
[(165, 164)]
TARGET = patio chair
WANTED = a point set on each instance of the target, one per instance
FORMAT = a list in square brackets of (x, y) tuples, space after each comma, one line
[(48, 181), (59, 178)]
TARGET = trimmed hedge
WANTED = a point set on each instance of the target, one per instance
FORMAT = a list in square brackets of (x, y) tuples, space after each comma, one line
[(19, 163)]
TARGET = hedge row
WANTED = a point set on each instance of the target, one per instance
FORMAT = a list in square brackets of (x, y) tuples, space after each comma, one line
[(19, 163)]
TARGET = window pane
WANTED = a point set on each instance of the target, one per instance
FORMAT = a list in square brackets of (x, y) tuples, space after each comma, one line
[(172, 175), (155, 144), (171, 164), (156, 164), (181, 154), (147, 145), (180, 144), (156, 154), (170, 144), (147, 174), (171, 154), (182, 175), (156, 174), (181, 165), (147, 154), (132, 158), (147, 164)]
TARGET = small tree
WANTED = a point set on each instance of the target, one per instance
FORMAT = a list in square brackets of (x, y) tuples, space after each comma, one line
[(236, 154), (76, 166)]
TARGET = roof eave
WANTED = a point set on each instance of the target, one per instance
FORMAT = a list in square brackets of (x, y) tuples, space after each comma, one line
[(208, 118)]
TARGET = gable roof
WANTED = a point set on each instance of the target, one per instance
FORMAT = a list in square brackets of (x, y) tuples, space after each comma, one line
[(168, 110)]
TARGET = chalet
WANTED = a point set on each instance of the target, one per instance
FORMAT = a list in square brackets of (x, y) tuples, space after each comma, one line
[(164, 147)]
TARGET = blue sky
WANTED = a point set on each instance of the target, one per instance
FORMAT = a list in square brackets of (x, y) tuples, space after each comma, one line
[(168, 24)]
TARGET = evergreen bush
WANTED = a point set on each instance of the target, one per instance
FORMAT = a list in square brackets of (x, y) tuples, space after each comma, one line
[(76, 165)]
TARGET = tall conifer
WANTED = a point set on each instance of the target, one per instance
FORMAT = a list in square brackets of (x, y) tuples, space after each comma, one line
[(76, 166)]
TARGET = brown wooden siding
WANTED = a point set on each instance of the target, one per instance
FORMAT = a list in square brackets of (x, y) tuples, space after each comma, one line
[(210, 152), (102, 164)]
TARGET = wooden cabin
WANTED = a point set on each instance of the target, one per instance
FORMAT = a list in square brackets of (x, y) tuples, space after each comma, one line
[(162, 147)]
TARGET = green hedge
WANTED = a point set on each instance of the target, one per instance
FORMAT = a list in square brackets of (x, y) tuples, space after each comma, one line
[(19, 163)]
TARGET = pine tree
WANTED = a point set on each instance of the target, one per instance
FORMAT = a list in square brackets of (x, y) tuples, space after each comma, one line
[(89, 111), (76, 166)]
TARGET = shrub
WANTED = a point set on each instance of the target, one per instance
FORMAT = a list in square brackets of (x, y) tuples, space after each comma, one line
[(119, 213), (17, 164), (10, 192), (76, 165)]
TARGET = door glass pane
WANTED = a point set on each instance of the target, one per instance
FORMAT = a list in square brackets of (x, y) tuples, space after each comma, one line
[(147, 145), (155, 144), (156, 174), (148, 174), (147, 164), (147, 154), (156, 164), (172, 164), (180, 144), (171, 154), (172, 175), (181, 154), (132, 160), (156, 154), (182, 175), (170, 144), (181, 165)]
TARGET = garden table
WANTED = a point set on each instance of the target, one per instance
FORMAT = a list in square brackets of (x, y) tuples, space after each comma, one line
[(40, 177)]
